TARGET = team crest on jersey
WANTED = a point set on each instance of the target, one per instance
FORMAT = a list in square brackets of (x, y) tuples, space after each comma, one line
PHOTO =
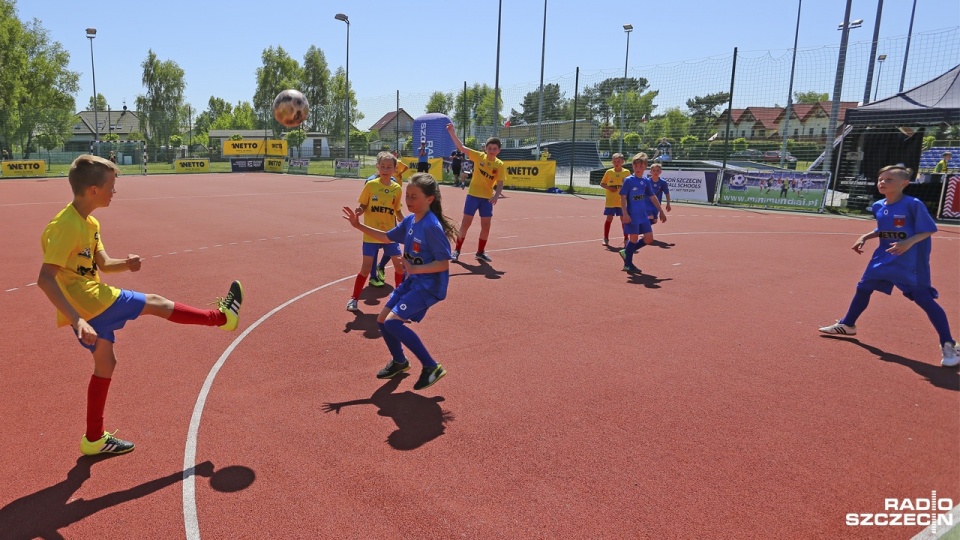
[(416, 245), (85, 253), (899, 221), (374, 198)]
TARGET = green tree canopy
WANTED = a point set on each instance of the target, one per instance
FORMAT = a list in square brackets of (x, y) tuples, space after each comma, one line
[(316, 86), (279, 72), (160, 107), (810, 97), (554, 104), (101, 103), (440, 103)]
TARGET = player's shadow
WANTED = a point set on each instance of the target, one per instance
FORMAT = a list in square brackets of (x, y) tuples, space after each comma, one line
[(937, 375), (481, 268), (43, 513), (649, 281), (365, 322), (661, 244), (419, 419)]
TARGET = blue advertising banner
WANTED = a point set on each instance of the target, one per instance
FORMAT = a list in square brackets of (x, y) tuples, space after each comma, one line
[(431, 130)]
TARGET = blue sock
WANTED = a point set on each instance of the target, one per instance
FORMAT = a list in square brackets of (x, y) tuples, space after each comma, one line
[(408, 337), (393, 343), (935, 313), (384, 260), (631, 248), (859, 303)]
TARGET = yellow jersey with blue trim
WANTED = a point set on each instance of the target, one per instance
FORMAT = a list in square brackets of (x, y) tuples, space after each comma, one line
[(612, 178), (72, 242), (487, 172), (382, 203)]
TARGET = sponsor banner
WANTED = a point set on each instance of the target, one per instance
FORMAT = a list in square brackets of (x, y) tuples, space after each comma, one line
[(786, 191), (273, 165), (276, 147), (246, 164), (24, 167), (346, 168), (255, 147), (191, 165), (298, 166), (686, 185), (436, 167), (530, 174), (951, 199)]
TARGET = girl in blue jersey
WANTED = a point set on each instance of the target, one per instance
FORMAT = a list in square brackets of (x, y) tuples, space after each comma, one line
[(902, 259), (425, 234)]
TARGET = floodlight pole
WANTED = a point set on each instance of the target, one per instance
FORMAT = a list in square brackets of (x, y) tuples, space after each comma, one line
[(346, 129), (92, 33), (543, 56), (496, 77), (793, 65), (837, 88), (873, 53), (906, 53), (623, 92)]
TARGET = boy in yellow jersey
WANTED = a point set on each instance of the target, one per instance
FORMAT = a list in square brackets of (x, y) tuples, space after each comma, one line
[(612, 182), (73, 258), (485, 190), (380, 203), (378, 278)]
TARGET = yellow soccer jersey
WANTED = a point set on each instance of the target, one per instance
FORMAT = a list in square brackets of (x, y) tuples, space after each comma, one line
[(486, 173), (382, 203), (72, 243), (401, 168), (612, 178)]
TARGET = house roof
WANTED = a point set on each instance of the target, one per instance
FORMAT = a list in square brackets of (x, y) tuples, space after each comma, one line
[(765, 116), (122, 122), (387, 118)]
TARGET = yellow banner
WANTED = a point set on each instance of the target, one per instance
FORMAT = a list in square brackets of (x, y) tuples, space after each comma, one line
[(273, 164), (246, 147), (33, 167), (276, 147), (530, 174), (191, 165), (436, 167)]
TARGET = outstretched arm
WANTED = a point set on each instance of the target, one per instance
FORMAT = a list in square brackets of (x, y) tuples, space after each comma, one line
[(456, 140), (858, 246), (350, 215)]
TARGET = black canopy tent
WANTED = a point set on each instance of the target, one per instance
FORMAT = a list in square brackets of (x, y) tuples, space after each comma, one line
[(891, 131)]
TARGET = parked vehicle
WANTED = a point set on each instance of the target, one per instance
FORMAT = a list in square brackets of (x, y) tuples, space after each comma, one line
[(748, 154), (773, 156)]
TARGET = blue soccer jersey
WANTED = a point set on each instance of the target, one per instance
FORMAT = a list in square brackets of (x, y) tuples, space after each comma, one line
[(638, 192), (659, 188), (897, 222), (424, 242)]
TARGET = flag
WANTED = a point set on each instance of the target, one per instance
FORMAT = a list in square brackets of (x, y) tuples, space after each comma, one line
[(507, 123), (644, 119), (714, 136)]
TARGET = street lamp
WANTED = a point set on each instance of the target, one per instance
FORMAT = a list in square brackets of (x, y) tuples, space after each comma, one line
[(92, 33), (623, 94), (880, 59), (346, 129), (844, 28), (853, 24)]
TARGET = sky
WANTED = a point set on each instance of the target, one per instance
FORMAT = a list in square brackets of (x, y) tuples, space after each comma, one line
[(441, 43)]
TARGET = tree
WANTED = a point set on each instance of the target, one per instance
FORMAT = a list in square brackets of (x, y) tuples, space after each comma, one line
[(216, 107), (296, 138), (636, 107), (553, 104), (703, 111), (160, 107), (334, 116), (101, 103), (810, 97), (279, 72), (596, 97), (316, 85), (45, 89), (440, 103), (475, 106)]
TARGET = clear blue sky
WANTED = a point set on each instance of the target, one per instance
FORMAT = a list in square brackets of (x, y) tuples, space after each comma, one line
[(441, 43)]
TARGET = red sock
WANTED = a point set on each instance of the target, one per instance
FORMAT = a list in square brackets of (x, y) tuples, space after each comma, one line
[(358, 286), (96, 402), (606, 229), (398, 278), (459, 242), (481, 245), (184, 314)]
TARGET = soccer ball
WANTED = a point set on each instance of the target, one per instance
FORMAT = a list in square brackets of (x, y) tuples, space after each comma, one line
[(290, 108)]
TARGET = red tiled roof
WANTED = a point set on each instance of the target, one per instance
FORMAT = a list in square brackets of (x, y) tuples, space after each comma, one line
[(386, 119), (766, 116)]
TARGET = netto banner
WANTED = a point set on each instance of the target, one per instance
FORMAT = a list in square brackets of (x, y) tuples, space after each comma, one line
[(191, 165), (35, 167), (530, 174)]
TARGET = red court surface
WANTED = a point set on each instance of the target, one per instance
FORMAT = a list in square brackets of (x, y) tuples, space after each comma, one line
[(696, 400)]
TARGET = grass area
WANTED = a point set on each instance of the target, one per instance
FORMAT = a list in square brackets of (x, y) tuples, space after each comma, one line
[(319, 168)]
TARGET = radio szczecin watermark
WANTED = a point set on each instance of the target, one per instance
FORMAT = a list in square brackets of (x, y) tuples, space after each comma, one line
[(933, 512)]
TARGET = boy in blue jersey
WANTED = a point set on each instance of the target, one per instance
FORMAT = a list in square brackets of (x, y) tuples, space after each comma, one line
[(425, 234), (635, 196), (902, 259), (660, 188)]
